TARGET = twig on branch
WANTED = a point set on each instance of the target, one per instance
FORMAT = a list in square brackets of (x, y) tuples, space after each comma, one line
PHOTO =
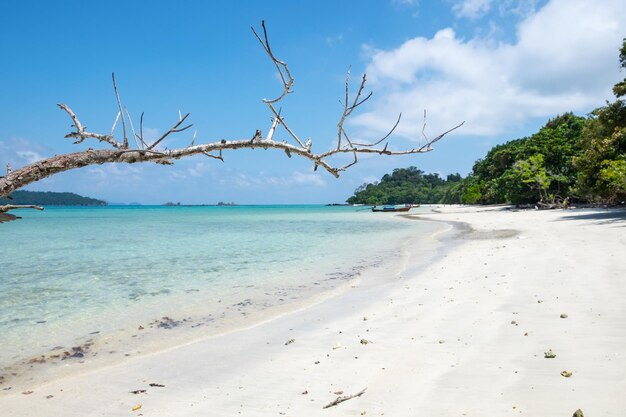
[(119, 105), (143, 143), (220, 157), (427, 146), (132, 128), (115, 123), (281, 66), (343, 168), (173, 129), (347, 110), (339, 400)]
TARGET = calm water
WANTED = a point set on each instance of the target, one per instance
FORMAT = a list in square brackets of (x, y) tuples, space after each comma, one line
[(70, 272)]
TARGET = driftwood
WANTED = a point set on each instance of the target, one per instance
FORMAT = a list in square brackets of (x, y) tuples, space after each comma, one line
[(122, 152), (339, 400), (6, 217)]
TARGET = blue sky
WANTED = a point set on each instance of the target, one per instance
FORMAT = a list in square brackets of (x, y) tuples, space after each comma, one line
[(504, 67)]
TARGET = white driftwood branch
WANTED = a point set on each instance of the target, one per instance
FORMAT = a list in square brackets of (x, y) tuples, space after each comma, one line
[(339, 400), (81, 133), (6, 217), (122, 153)]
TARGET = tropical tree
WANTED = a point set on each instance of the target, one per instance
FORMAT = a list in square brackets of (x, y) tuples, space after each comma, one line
[(603, 144), (532, 172)]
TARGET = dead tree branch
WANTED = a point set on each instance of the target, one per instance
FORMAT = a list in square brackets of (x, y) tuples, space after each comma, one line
[(122, 153), (339, 400)]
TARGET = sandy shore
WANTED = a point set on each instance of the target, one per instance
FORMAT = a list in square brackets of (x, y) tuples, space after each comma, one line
[(464, 336)]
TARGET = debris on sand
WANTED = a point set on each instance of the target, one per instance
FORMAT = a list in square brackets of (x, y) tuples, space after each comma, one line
[(339, 400)]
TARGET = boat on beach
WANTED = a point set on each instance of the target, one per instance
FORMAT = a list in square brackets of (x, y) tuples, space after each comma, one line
[(392, 209)]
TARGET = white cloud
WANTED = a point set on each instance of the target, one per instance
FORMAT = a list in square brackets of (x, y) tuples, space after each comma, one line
[(19, 152), (29, 156), (517, 7), (565, 58), (199, 169), (244, 180), (471, 9), (114, 173), (310, 178), (332, 40)]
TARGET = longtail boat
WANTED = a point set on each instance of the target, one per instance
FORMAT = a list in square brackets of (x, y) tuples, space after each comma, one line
[(391, 209)]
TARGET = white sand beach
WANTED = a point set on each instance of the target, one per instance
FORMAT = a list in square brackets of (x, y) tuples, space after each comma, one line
[(463, 336)]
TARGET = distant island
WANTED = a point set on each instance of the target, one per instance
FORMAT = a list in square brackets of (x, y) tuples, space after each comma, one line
[(49, 198)]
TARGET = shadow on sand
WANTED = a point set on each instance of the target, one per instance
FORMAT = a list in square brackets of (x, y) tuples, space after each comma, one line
[(607, 216)]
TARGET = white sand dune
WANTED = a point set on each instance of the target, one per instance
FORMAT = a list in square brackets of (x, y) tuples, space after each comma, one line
[(464, 336)]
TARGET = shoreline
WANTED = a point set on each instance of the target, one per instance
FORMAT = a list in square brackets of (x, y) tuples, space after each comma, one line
[(464, 335), (173, 329)]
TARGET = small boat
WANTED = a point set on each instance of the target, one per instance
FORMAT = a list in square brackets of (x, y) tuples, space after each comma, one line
[(391, 209)]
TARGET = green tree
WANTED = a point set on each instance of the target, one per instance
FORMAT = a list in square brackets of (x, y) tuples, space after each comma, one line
[(557, 141), (613, 174), (410, 186), (532, 172), (603, 144)]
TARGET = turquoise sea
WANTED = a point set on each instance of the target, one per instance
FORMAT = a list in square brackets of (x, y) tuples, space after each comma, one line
[(82, 278)]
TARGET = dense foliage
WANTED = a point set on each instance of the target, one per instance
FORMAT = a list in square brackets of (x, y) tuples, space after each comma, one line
[(532, 169), (407, 185), (51, 199), (571, 158)]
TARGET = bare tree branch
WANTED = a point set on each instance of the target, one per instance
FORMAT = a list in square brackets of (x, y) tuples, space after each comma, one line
[(427, 146), (121, 153), (282, 122), (81, 133), (345, 167)]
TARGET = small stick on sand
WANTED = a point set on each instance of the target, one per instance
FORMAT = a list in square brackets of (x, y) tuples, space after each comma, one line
[(339, 400)]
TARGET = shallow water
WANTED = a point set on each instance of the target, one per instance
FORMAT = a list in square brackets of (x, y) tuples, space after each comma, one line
[(68, 274)]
